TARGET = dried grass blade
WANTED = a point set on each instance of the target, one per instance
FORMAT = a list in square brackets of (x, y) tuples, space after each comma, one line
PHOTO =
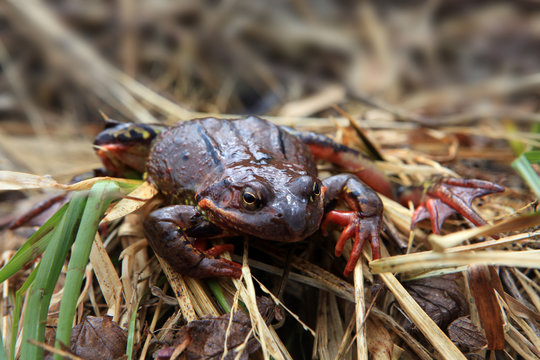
[(200, 299), (516, 340), (440, 243), (180, 289), (360, 312), (276, 300), (269, 344), (431, 331), (528, 285), (326, 280), (12, 180), (106, 275), (428, 261)]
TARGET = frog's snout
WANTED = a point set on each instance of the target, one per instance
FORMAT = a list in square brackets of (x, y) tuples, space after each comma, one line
[(293, 221)]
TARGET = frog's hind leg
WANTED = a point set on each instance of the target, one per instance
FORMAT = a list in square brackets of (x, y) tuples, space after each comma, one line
[(436, 200), (322, 147), (167, 230), (124, 147), (446, 196)]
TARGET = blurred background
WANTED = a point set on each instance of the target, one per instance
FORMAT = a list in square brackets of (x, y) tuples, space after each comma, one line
[(436, 62)]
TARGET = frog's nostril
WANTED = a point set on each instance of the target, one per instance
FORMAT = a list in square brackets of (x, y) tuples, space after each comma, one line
[(279, 215)]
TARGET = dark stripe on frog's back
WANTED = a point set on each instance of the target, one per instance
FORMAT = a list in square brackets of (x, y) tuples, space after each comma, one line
[(259, 137), (212, 147), (181, 159), (199, 148), (257, 141)]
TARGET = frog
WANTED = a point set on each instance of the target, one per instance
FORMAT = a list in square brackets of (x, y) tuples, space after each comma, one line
[(219, 178)]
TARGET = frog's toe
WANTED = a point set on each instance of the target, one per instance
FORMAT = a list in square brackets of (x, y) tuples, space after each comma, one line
[(449, 196), (360, 229), (209, 267)]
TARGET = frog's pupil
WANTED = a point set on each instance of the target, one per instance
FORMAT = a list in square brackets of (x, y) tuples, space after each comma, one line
[(249, 198), (316, 189)]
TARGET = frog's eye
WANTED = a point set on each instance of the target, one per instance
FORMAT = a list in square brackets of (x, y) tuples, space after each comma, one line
[(315, 192), (316, 189), (250, 200)]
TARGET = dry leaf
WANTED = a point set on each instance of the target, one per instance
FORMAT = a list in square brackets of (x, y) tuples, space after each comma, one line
[(440, 297), (133, 202), (98, 338), (466, 335), (205, 339)]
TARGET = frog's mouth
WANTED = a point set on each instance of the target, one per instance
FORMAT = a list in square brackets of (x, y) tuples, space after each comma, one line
[(268, 230)]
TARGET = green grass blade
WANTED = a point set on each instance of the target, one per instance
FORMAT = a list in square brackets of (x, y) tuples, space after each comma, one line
[(526, 171), (3, 355), (533, 156), (131, 333), (101, 195), (218, 293), (42, 288), (33, 247), (17, 311), (517, 146)]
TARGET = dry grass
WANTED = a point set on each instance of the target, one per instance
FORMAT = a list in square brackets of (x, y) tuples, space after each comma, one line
[(397, 71)]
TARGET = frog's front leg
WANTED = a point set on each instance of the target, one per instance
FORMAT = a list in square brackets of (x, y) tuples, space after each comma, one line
[(362, 223), (167, 230)]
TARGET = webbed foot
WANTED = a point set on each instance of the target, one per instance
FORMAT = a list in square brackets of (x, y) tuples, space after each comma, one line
[(449, 196)]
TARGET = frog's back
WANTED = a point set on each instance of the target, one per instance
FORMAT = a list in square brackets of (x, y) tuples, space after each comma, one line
[(191, 153)]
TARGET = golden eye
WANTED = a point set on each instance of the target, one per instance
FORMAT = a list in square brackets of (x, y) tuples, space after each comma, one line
[(315, 192), (250, 199), (316, 189)]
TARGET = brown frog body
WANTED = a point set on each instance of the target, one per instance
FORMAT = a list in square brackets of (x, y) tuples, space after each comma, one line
[(248, 176), (265, 186)]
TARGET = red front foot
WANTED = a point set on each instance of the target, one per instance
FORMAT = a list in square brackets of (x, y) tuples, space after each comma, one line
[(357, 227), (449, 196), (209, 266)]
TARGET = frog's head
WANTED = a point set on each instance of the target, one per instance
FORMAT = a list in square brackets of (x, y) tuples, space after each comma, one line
[(279, 203)]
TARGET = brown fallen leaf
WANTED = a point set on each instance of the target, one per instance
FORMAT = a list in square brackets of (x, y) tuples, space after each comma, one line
[(205, 338), (466, 336), (440, 297), (98, 338)]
